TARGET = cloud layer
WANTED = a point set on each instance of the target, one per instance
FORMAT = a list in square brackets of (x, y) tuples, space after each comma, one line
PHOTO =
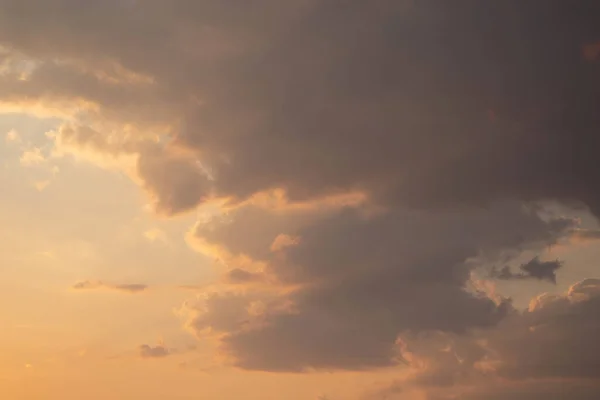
[(395, 99), (364, 161)]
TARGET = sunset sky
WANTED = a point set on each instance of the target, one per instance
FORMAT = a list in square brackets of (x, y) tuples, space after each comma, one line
[(299, 199)]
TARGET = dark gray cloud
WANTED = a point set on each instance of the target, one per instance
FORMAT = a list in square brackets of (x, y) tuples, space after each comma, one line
[(554, 339), (122, 287), (545, 352), (365, 278), (413, 103), (533, 269)]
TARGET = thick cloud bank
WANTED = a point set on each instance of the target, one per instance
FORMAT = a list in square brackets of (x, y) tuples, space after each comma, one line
[(367, 158)]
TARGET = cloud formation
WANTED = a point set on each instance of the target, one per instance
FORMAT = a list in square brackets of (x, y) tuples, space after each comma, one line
[(364, 278), (365, 92), (364, 158), (544, 352), (158, 351), (121, 287), (533, 269)]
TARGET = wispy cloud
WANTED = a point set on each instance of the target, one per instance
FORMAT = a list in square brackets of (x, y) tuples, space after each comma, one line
[(122, 287)]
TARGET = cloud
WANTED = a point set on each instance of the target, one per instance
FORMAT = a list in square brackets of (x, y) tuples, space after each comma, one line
[(408, 89), (533, 269), (238, 275), (32, 157), (355, 280), (158, 351), (541, 353), (157, 168), (282, 241), (445, 123), (123, 287)]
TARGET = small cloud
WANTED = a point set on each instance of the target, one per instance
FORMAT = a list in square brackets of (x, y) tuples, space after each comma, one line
[(131, 288), (239, 276), (12, 136), (32, 157), (534, 269), (96, 285), (158, 351), (88, 285)]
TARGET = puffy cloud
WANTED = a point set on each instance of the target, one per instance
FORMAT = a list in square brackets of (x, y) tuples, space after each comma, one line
[(354, 280), (121, 287), (172, 178), (541, 353), (32, 157), (554, 338)]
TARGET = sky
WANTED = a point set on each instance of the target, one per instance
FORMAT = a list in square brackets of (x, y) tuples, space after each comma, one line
[(300, 199)]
